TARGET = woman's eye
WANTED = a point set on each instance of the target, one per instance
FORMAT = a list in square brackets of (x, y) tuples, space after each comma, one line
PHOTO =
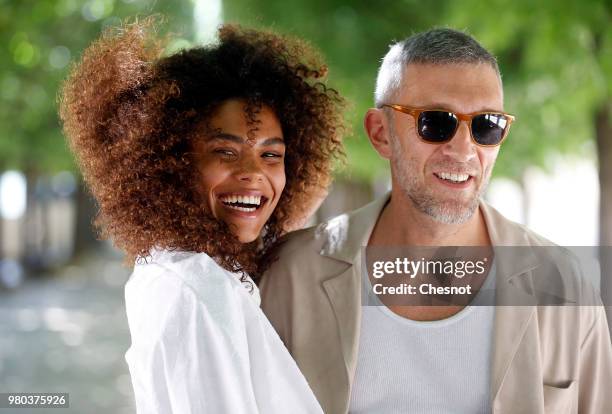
[(272, 155), (227, 153)]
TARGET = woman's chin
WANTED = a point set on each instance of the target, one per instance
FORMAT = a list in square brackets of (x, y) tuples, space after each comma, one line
[(247, 236), (246, 240)]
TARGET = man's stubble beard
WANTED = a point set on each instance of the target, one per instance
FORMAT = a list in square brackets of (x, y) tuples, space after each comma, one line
[(447, 211)]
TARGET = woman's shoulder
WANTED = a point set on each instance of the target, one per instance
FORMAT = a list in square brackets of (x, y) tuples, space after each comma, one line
[(172, 289), (169, 272)]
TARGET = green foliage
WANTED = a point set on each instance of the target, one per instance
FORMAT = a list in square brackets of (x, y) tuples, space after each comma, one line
[(555, 57), (37, 42)]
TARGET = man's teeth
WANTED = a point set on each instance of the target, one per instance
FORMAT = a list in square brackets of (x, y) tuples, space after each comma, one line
[(242, 202), (457, 178)]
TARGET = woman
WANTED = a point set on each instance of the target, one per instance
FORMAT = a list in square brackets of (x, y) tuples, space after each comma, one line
[(199, 162)]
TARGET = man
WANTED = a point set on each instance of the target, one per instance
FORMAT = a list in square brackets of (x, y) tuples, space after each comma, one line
[(439, 121)]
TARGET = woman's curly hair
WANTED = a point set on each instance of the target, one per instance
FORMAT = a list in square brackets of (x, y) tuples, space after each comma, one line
[(130, 115)]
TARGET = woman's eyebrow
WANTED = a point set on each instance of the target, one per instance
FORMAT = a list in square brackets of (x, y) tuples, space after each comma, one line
[(273, 141), (224, 136)]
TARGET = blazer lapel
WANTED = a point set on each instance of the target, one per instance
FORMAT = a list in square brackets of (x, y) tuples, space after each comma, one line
[(344, 238), (344, 295), (514, 333), (516, 348)]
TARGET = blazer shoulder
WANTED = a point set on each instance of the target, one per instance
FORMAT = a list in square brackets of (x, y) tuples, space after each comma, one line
[(300, 242), (299, 256), (505, 232), (560, 274), (311, 242)]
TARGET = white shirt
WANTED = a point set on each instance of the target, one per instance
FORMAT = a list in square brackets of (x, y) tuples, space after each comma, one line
[(438, 367), (201, 344), (434, 367)]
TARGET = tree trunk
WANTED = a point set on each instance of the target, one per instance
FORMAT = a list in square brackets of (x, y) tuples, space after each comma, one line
[(86, 235), (603, 133), (34, 226)]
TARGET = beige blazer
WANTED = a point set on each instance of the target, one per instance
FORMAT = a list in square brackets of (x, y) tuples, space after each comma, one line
[(546, 359)]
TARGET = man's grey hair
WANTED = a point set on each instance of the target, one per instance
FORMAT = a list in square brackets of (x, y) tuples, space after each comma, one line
[(435, 46)]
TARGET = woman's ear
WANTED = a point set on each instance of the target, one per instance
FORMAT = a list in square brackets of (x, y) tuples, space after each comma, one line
[(377, 127)]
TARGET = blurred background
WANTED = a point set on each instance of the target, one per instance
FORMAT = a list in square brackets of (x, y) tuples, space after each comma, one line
[(63, 325)]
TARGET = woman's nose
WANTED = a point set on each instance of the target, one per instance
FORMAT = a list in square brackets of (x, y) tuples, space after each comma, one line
[(249, 170)]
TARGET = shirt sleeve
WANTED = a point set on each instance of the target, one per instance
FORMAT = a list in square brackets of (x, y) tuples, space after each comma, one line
[(188, 355)]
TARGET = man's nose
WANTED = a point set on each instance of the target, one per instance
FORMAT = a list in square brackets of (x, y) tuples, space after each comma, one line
[(461, 147), (249, 170)]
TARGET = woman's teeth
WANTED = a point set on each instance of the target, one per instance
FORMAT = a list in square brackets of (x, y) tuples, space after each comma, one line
[(457, 178), (247, 209), (242, 203)]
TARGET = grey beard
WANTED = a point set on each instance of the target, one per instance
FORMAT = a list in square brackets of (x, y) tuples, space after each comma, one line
[(443, 211), (447, 212)]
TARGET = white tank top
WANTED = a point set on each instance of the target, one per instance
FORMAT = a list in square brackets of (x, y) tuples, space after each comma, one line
[(406, 366)]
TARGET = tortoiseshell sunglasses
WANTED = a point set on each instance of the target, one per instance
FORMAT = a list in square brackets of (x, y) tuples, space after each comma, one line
[(437, 126)]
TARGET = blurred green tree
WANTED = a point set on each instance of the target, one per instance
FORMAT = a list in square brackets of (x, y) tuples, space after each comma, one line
[(556, 61), (555, 57), (38, 41)]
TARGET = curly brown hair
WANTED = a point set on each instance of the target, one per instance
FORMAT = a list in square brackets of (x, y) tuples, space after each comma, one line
[(130, 116)]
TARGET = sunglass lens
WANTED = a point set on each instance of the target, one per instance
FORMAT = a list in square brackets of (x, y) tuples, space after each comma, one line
[(488, 129), (437, 126)]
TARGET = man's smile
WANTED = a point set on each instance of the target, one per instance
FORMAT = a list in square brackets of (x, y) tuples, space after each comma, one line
[(453, 177)]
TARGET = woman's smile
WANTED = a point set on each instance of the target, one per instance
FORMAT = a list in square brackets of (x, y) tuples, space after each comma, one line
[(246, 204)]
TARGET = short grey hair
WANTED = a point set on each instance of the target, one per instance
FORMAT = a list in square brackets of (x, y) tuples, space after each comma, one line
[(436, 46)]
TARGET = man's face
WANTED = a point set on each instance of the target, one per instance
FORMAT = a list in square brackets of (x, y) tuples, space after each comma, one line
[(418, 167)]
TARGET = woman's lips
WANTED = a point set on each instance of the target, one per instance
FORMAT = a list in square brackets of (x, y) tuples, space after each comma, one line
[(243, 204)]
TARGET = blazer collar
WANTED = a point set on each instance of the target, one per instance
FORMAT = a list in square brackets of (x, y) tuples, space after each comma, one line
[(512, 329), (344, 235), (503, 233)]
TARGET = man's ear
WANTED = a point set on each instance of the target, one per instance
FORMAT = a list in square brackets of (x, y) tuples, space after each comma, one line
[(377, 127)]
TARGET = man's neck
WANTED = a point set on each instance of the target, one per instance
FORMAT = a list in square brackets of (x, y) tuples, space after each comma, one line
[(401, 224)]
